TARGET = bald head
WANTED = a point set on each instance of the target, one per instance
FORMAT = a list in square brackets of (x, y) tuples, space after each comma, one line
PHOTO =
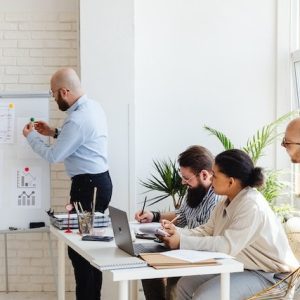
[(292, 139), (67, 78), (294, 127), (66, 88)]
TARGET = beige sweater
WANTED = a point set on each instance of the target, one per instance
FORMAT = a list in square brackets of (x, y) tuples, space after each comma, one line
[(247, 229)]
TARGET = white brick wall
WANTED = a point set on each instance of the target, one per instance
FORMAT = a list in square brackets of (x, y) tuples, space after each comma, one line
[(33, 45)]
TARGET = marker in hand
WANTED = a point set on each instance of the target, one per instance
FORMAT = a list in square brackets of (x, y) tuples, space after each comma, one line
[(31, 123)]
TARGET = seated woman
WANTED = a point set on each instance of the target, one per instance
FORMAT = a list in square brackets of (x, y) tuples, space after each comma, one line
[(242, 225)]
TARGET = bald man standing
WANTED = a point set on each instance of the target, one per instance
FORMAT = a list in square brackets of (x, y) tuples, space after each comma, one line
[(291, 140), (81, 144)]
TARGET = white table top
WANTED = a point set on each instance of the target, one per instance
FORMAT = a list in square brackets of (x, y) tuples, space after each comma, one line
[(107, 251)]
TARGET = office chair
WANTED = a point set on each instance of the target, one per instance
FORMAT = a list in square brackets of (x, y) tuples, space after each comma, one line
[(283, 289)]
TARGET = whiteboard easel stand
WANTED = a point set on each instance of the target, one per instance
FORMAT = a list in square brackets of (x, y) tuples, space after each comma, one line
[(42, 229)]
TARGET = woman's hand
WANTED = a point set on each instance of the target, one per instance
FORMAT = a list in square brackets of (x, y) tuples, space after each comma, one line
[(173, 241)]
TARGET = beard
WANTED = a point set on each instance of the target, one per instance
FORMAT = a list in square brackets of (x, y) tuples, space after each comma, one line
[(195, 196), (62, 104)]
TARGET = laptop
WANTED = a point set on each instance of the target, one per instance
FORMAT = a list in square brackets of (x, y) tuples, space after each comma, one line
[(120, 225)]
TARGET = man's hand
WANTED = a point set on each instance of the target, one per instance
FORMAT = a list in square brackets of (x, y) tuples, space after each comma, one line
[(28, 128), (43, 128), (173, 241), (146, 217)]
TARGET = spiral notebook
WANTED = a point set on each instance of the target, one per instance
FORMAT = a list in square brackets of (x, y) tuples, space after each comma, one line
[(121, 263)]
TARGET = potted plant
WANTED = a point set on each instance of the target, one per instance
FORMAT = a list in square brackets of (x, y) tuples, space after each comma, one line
[(166, 181)]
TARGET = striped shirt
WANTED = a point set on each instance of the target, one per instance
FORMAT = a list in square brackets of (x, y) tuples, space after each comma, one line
[(193, 217)]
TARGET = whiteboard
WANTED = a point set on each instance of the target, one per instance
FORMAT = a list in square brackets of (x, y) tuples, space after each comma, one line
[(24, 176)]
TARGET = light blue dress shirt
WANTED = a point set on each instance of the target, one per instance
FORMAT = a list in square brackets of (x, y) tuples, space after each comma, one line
[(82, 140)]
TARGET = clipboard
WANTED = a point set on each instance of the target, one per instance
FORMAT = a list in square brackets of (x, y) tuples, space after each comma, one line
[(160, 261)]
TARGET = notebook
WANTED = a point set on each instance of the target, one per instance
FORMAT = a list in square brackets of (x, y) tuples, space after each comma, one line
[(161, 261), (120, 263), (120, 225)]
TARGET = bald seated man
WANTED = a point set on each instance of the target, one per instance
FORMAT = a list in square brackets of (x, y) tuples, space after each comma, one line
[(81, 143), (291, 140)]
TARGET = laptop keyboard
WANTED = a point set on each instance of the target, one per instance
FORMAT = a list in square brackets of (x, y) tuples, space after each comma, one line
[(148, 248)]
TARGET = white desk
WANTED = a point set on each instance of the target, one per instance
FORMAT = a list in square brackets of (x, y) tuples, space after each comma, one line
[(92, 251)]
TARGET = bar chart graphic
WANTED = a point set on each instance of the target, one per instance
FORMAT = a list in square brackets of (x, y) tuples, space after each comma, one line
[(28, 185), (25, 179)]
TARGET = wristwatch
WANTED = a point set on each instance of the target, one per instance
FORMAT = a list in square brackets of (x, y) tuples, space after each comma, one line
[(55, 133)]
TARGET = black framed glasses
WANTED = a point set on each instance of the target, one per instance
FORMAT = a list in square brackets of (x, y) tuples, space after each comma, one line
[(284, 143)]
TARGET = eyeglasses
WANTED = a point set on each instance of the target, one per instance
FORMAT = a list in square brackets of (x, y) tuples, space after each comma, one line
[(186, 180), (51, 93), (284, 143)]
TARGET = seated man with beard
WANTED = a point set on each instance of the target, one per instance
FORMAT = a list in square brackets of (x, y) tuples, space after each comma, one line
[(195, 168)]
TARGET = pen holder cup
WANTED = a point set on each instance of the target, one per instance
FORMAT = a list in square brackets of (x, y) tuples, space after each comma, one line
[(85, 223)]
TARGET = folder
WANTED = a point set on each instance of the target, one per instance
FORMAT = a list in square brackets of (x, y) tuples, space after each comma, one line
[(160, 261)]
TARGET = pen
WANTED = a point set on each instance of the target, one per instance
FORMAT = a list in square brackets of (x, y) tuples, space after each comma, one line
[(143, 206), (173, 220)]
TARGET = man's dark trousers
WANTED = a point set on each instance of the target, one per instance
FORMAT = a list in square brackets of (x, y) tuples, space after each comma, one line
[(89, 279)]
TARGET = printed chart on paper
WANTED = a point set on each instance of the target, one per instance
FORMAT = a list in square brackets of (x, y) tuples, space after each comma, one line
[(7, 118)]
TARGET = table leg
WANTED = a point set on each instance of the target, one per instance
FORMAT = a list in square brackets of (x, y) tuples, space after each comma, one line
[(134, 290), (52, 260), (6, 263), (123, 290), (225, 286), (61, 270)]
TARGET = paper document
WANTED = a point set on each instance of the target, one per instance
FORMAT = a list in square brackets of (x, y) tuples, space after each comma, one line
[(194, 255), (149, 228)]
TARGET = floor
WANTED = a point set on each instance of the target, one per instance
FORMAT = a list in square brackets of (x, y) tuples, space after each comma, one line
[(42, 296), (33, 296), (52, 296)]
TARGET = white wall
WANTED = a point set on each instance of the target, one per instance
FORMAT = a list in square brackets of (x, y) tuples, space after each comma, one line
[(202, 62), (196, 62), (107, 55)]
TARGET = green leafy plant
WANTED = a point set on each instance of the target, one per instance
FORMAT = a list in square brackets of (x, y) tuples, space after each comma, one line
[(255, 147), (167, 182), (272, 187)]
